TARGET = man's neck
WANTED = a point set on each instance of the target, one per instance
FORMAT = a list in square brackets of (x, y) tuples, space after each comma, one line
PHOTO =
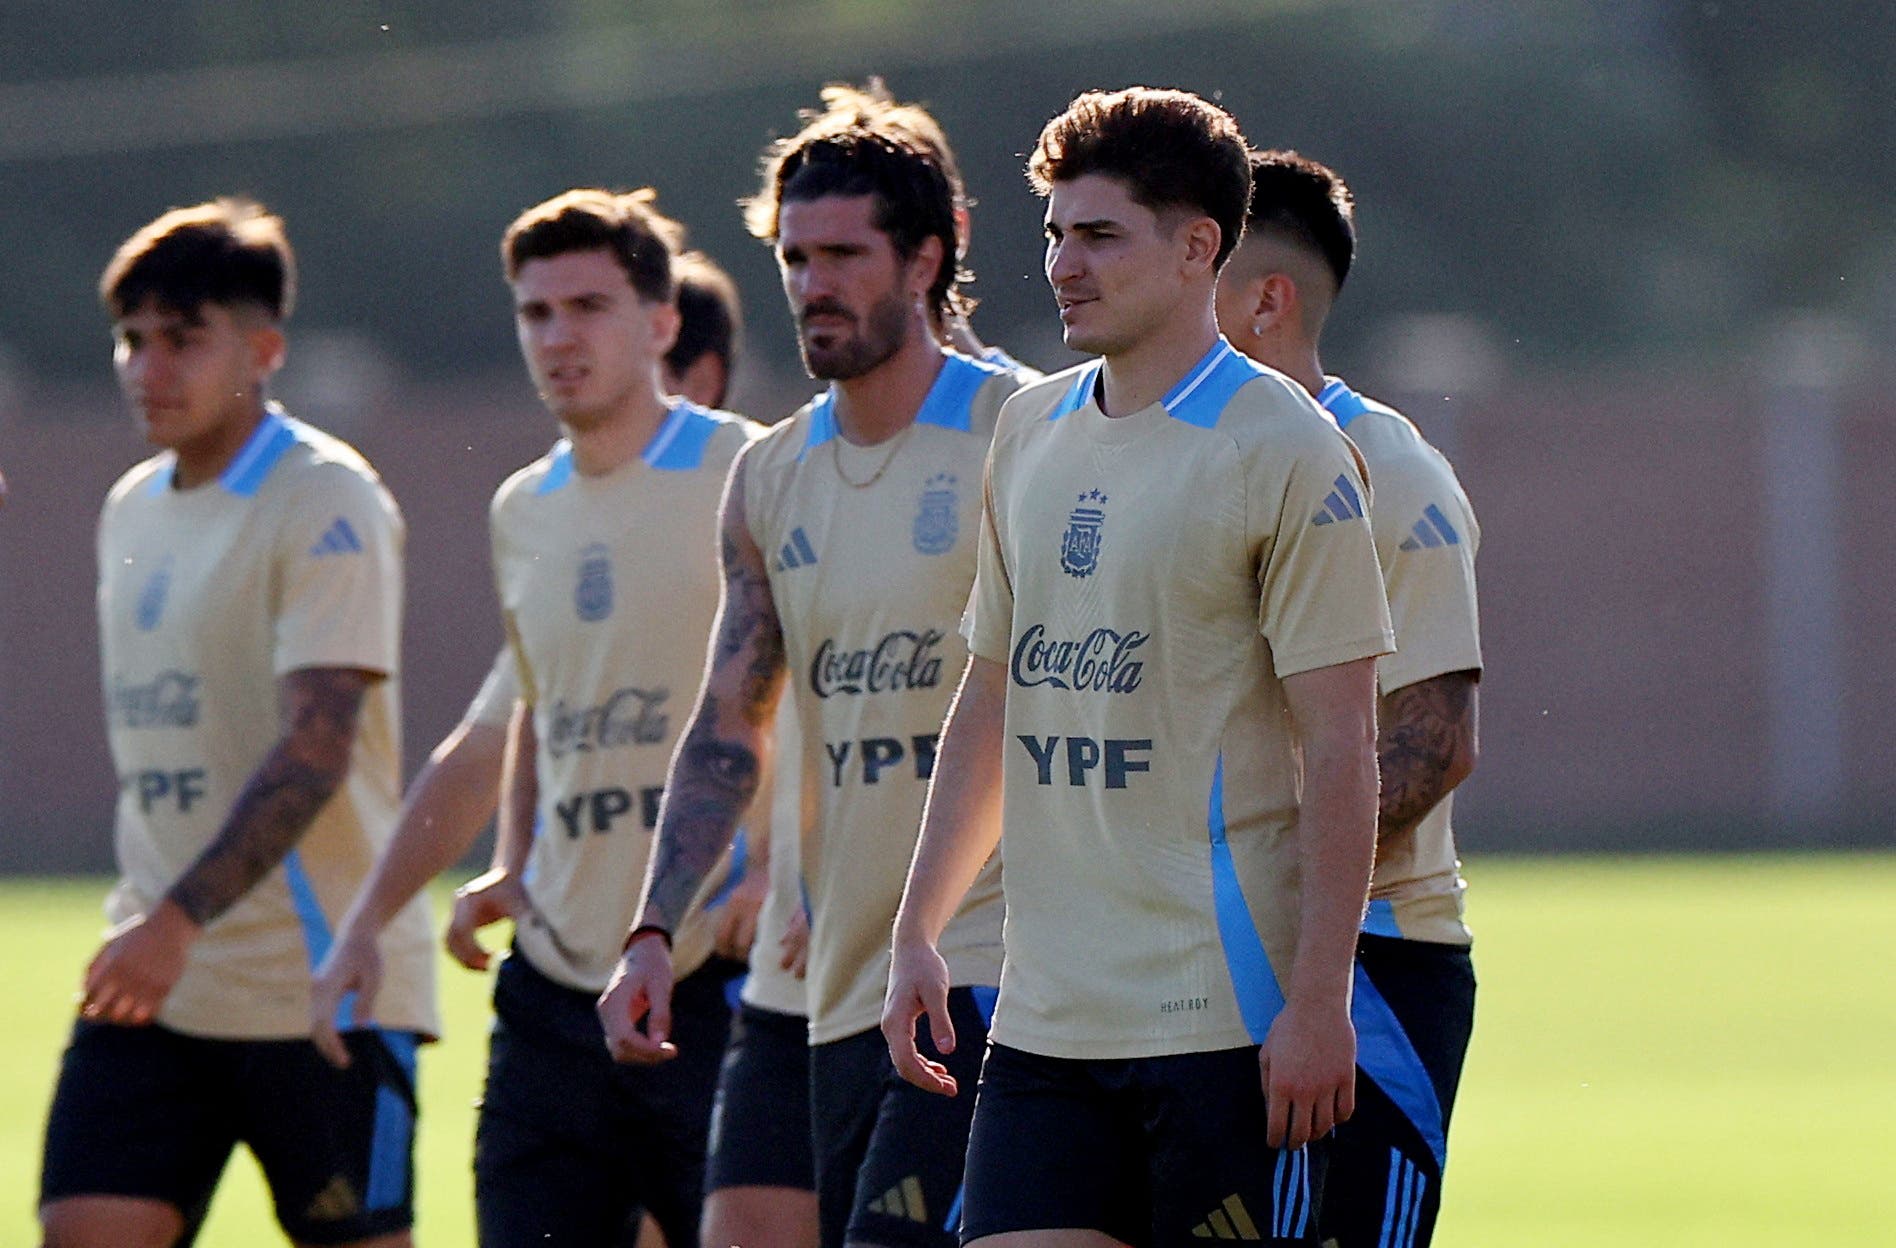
[(885, 400), (620, 438), (206, 458), (1294, 356), (1136, 378)]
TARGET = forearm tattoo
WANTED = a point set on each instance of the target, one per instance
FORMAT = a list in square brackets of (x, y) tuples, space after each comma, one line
[(1424, 747), (282, 797), (717, 770), (712, 780)]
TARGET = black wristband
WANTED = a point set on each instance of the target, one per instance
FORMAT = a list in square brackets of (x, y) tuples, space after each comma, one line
[(647, 929)]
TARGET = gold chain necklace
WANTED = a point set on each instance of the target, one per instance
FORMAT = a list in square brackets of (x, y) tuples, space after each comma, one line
[(895, 444)]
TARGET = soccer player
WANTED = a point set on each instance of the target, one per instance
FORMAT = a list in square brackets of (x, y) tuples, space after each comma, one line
[(1170, 709), (458, 789), (250, 608), (1415, 988), (847, 561)]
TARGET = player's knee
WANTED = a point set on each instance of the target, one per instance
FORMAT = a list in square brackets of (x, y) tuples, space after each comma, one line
[(109, 1222)]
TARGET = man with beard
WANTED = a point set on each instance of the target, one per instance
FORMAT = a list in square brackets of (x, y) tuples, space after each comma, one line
[(848, 555)]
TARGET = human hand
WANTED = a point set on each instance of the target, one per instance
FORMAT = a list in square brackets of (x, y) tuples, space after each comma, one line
[(795, 943), (487, 898), (918, 985), (142, 958), (1308, 1068), (354, 965), (640, 988)]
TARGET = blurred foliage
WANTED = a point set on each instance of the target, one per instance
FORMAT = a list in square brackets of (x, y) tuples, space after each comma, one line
[(1593, 183)]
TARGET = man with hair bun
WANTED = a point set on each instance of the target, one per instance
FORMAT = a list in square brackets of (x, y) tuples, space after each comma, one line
[(1167, 729), (847, 561), (1414, 998), (250, 581)]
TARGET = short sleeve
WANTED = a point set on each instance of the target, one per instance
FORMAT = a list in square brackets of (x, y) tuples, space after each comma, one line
[(339, 576), (1320, 589), (493, 705), (1427, 533), (988, 622)]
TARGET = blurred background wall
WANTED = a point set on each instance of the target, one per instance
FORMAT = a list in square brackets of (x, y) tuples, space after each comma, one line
[(1632, 265)]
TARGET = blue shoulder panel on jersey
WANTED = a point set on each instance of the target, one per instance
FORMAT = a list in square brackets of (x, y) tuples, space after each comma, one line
[(559, 468), (1341, 402), (1200, 398), (265, 446), (950, 400), (822, 422), (1385, 1053), (947, 404), (1260, 999), (679, 444), (1078, 393)]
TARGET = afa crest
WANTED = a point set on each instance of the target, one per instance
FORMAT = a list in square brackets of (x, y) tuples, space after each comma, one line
[(1079, 545), (151, 599), (936, 526), (593, 595)]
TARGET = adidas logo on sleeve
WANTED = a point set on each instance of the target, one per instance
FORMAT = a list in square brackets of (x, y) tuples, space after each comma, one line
[(1431, 531), (338, 539)]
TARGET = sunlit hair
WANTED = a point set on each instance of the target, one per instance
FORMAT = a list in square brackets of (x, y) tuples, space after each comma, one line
[(231, 251), (710, 317), (1305, 204), (863, 142), (1171, 149), (626, 223)]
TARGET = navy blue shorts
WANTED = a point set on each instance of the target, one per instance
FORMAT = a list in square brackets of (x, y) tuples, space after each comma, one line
[(152, 1113), (1156, 1152), (888, 1155), (570, 1144), (760, 1125), (1414, 1010)]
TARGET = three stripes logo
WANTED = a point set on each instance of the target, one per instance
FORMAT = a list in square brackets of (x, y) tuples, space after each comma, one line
[(796, 553), (1343, 503), (1402, 1203), (338, 539), (1430, 532), (904, 1200), (1230, 1220)]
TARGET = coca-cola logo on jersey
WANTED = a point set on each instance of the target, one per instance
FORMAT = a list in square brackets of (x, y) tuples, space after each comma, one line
[(1101, 661), (905, 659), (629, 717), (168, 700)]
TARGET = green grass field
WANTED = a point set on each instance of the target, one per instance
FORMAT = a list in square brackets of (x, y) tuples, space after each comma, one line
[(1677, 1051)]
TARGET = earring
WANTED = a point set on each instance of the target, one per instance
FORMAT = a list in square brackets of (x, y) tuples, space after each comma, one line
[(1257, 329)]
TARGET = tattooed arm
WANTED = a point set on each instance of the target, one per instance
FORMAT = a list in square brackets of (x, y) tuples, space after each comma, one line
[(714, 775), (133, 974), (1426, 745)]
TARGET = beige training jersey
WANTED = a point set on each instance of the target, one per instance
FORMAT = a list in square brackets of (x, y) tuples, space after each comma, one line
[(871, 554), (1149, 582), (1426, 537), (493, 702), (291, 559), (769, 986), (608, 588)]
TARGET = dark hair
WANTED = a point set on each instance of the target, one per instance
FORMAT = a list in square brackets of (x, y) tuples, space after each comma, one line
[(1171, 149), (228, 251), (863, 142), (626, 223), (709, 314), (1306, 204)]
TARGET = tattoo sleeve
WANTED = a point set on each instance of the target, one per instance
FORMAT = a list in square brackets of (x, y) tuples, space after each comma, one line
[(319, 706), (1424, 747), (716, 771)]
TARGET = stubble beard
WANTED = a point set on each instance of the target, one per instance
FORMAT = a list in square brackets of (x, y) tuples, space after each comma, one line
[(885, 332)]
